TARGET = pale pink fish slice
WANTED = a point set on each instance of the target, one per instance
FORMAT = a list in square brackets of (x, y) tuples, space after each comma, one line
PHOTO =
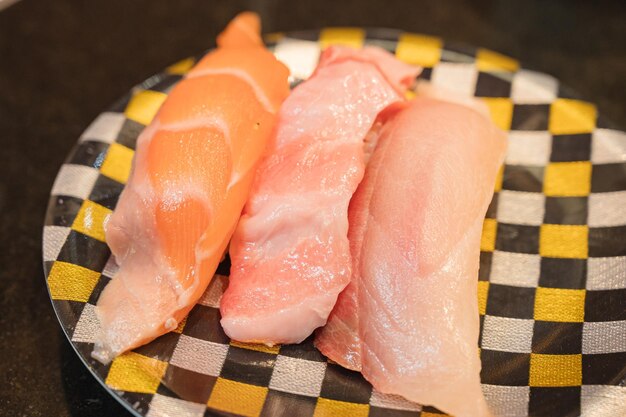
[(417, 216), (290, 253)]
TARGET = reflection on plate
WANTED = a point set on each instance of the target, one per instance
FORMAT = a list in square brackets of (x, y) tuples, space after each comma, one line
[(552, 290)]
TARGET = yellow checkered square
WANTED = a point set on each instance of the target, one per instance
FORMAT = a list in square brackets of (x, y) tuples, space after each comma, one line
[(567, 179), (501, 110), (334, 408), (560, 305), (488, 238), (352, 37), (487, 60), (483, 291), (181, 67), (133, 372), (256, 346), (117, 163), (563, 241), (71, 282), (571, 116), (181, 326), (90, 220), (555, 370), (498, 185), (273, 37), (144, 105), (419, 49), (238, 398)]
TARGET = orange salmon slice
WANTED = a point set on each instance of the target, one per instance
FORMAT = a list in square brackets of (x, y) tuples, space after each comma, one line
[(191, 176)]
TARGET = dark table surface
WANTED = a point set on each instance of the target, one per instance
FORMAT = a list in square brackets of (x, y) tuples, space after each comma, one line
[(64, 61)]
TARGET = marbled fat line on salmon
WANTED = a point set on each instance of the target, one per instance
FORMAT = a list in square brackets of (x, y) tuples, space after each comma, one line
[(192, 171), (245, 77)]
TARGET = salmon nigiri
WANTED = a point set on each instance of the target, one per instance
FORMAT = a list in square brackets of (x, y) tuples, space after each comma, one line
[(192, 172), (290, 255), (409, 319)]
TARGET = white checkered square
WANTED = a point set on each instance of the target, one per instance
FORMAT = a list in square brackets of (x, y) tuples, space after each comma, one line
[(608, 146), (604, 337), (507, 334), (75, 181), (300, 56), (199, 355), (87, 326), (54, 237), (213, 294), (517, 269), (607, 209), (458, 78), (298, 376), (395, 402), (606, 273), (111, 267), (507, 401), (529, 148), (530, 87), (602, 401), (105, 128), (518, 207), (163, 406)]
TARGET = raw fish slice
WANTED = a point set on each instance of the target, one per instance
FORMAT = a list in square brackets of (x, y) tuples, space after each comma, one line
[(290, 254), (192, 172), (417, 217), (339, 339), (427, 89)]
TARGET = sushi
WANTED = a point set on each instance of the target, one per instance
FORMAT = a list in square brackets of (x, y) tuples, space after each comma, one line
[(409, 318), (191, 175), (290, 253)]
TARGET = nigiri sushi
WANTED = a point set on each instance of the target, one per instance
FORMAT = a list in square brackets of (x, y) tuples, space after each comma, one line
[(290, 254), (409, 318), (191, 175)]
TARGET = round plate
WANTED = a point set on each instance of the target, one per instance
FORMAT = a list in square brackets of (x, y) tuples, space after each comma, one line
[(552, 286)]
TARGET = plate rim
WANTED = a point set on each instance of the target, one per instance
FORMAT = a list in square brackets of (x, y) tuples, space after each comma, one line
[(154, 79)]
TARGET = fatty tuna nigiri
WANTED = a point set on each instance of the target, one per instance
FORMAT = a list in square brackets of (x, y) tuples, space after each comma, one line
[(192, 172), (290, 254), (409, 319)]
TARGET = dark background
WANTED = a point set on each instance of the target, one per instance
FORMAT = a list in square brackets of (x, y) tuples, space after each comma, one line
[(64, 61)]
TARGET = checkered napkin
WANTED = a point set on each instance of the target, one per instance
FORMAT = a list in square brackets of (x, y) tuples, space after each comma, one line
[(552, 289)]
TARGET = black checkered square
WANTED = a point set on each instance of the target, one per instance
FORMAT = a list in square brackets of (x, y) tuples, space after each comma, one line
[(248, 366), (85, 251), (517, 238), (509, 301), (284, 404), (106, 192), (530, 117), (566, 210), (523, 178), (563, 273), (493, 84), (567, 148), (553, 401), (344, 385), (204, 323), (556, 338)]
